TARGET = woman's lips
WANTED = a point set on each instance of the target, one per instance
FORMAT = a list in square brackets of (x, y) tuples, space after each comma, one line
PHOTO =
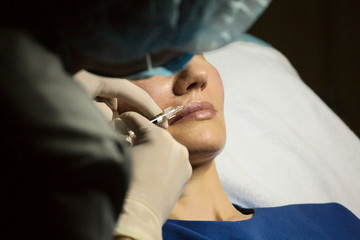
[(194, 111)]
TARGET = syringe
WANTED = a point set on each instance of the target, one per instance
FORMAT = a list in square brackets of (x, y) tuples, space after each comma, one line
[(130, 136), (168, 113)]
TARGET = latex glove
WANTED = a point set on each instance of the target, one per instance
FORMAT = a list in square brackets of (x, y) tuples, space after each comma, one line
[(161, 169), (107, 90)]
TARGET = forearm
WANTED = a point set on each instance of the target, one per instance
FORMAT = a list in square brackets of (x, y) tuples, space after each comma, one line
[(69, 163)]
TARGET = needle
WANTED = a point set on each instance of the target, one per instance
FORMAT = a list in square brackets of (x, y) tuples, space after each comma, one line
[(168, 113)]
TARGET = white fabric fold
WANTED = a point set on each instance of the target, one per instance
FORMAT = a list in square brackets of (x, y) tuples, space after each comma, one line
[(284, 144)]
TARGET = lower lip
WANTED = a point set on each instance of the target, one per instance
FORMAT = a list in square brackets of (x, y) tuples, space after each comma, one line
[(198, 115)]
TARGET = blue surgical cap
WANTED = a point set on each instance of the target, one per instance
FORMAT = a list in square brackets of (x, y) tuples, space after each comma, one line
[(122, 31)]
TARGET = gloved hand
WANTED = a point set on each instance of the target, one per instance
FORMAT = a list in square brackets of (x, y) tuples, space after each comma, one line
[(160, 165), (108, 90), (161, 169)]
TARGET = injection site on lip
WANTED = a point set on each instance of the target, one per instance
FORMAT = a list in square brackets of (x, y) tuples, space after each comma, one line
[(195, 110), (168, 113)]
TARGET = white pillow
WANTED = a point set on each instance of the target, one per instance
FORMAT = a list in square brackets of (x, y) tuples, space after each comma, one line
[(284, 145)]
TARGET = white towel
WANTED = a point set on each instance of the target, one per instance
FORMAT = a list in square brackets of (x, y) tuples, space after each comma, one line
[(284, 145)]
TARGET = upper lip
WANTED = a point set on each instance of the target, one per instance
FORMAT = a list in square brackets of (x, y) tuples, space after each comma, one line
[(190, 108)]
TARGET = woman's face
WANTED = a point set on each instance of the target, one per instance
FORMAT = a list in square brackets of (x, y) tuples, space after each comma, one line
[(200, 124)]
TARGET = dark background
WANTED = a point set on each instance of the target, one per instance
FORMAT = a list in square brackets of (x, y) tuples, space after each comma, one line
[(321, 38)]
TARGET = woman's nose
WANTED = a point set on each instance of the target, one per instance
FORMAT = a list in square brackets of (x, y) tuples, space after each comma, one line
[(193, 78)]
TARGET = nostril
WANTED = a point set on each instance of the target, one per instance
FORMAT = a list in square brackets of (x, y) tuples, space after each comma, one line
[(191, 86), (203, 85)]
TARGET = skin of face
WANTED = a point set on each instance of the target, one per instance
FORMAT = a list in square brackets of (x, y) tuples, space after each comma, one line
[(198, 84)]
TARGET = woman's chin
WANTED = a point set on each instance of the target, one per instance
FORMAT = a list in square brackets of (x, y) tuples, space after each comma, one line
[(200, 134), (203, 139), (198, 158), (203, 143)]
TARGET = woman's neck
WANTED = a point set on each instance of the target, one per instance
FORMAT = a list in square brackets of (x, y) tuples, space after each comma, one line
[(205, 199)]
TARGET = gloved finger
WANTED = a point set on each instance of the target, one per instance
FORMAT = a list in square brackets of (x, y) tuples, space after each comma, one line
[(120, 126), (90, 82), (137, 123), (112, 103), (121, 89), (103, 107), (134, 96)]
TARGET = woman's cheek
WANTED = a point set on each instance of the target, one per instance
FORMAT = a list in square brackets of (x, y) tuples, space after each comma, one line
[(123, 107), (217, 83), (158, 91)]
